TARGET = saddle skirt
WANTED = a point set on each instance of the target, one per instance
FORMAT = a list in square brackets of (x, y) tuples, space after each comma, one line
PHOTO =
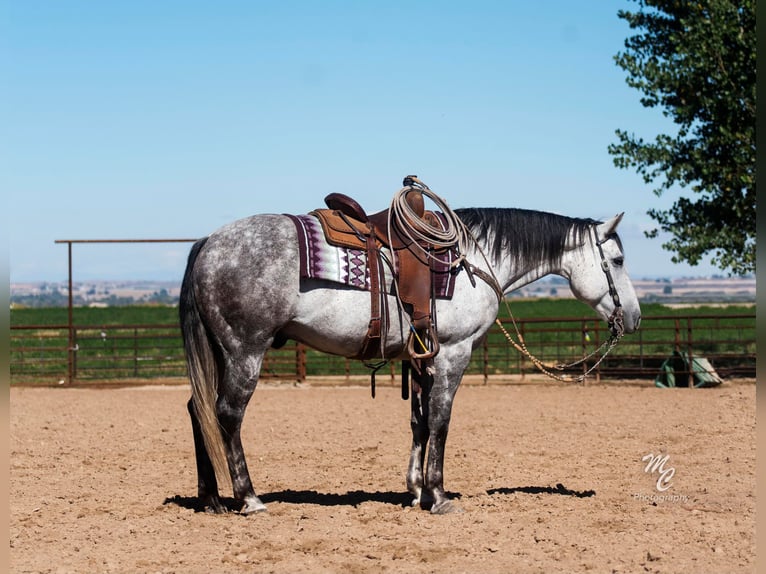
[(347, 264)]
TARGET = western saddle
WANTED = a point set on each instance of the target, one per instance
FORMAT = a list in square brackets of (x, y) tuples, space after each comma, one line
[(346, 224)]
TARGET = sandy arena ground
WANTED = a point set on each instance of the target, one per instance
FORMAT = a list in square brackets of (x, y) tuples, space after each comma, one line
[(550, 477)]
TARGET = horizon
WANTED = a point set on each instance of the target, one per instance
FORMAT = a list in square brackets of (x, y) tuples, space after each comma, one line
[(546, 279)]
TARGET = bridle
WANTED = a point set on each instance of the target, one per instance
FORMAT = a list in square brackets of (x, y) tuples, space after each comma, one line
[(616, 322)]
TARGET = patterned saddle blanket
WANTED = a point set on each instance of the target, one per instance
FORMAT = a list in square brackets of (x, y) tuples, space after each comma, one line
[(348, 266)]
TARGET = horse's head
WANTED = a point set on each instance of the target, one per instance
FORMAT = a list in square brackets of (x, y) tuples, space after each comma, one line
[(598, 276)]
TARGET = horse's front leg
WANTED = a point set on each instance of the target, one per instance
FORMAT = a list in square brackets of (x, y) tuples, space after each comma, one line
[(440, 412), (431, 409), (419, 424), (449, 367)]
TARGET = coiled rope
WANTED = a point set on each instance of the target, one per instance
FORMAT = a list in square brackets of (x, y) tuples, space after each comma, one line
[(419, 231)]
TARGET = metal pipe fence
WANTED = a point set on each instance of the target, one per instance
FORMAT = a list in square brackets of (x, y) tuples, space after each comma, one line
[(43, 354)]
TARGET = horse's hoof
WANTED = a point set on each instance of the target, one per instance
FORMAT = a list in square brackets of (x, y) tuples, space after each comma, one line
[(446, 507), (422, 500), (417, 493), (213, 505), (252, 506)]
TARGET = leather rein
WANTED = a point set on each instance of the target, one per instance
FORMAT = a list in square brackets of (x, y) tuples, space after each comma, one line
[(615, 322)]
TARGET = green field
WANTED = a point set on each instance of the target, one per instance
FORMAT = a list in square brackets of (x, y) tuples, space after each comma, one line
[(143, 342), (132, 315), (163, 315)]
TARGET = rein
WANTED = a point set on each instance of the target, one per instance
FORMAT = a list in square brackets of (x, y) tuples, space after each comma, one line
[(615, 322)]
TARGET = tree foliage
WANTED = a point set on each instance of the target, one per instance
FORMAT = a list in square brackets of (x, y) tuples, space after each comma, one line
[(696, 61)]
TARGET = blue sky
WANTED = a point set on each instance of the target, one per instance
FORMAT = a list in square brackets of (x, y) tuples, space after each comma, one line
[(167, 119)]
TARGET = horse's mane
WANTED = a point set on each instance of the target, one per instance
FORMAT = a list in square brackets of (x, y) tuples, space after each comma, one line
[(531, 237)]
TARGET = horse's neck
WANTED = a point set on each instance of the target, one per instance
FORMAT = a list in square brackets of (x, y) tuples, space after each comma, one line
[(518, 278), (512, 277)]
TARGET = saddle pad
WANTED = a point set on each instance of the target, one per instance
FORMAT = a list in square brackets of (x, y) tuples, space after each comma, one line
[(320, 260), (337, 231)]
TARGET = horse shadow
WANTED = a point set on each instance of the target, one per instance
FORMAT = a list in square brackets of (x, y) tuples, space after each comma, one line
[(354, 498), (558, 489), (351, 498)]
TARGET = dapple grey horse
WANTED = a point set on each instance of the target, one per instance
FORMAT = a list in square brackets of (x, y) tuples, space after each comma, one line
[(242, 294)]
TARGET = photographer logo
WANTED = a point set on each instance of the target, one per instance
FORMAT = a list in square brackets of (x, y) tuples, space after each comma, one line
[(659, 465), (656, 464)]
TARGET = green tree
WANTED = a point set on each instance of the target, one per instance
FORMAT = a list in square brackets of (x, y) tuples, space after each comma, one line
[(696, 61)]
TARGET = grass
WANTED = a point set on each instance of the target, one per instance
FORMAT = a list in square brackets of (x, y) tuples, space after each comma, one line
[(88, 316), (164, 315)]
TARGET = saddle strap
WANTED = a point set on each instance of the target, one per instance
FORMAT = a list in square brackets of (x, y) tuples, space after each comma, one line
[(371, 345)]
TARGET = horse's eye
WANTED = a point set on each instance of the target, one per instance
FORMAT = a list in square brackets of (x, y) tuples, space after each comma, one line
[(618, 261)]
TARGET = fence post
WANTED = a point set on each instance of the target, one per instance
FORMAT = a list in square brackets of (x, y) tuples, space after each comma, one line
[(522, 355), (71, 356), (300, 361), (689, 338), (135, 352), (599, 326)]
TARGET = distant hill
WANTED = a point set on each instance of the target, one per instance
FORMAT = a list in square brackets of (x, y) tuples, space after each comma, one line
[(95, 293), (678, 290)]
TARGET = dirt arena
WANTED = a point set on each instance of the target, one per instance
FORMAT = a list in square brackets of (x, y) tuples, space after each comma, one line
[(550, 478)]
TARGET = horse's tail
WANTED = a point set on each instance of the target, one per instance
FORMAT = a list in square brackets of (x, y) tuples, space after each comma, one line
[(203, 369)]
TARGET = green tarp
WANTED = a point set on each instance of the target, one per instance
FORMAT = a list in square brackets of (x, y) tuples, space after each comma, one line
[(674, 372)]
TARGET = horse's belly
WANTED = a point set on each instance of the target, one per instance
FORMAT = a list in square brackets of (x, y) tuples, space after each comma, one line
[(336, 321)]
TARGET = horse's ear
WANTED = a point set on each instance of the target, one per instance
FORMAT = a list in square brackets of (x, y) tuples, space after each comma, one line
[(610, 226)]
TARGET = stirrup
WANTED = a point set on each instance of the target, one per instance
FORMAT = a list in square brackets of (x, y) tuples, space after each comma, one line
[(430, 337)]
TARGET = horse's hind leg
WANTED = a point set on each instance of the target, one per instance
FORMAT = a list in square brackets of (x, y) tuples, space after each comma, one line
[(234, 394), (207, 486)]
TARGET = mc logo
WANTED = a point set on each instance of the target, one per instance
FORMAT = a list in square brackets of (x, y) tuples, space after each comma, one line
[(656, 464)]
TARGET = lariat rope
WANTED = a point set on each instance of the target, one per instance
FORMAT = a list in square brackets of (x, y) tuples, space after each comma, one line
[(456, 235), (419, 231)]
